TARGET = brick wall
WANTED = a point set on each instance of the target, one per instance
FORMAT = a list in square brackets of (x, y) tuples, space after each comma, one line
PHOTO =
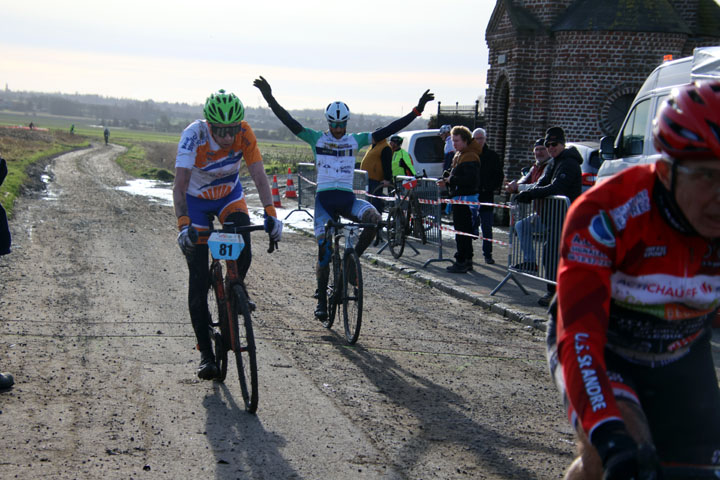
[(568, 78)]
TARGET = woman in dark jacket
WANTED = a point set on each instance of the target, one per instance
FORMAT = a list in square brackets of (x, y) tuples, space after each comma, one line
[(462, 182)]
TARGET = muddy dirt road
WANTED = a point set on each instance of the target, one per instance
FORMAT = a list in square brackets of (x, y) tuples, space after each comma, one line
[(94, 326)]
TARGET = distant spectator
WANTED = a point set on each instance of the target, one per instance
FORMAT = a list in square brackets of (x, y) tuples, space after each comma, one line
[(542, 158), (402, 162), (6, 380), (72, 129), (491, 177), (31, 126), (448, 149), (463, 181), (106, 134), (564, 177)]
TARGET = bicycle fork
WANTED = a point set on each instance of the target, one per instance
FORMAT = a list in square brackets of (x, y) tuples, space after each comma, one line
[(231, 279)]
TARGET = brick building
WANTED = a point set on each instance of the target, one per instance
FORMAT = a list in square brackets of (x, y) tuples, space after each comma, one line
[(578, 64)]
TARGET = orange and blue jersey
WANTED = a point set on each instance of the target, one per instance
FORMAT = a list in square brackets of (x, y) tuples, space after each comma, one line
[(215, 171)]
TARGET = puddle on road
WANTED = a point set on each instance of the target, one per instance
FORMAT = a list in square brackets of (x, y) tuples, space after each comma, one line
[(155, 190), (161, 192), (52, 192)]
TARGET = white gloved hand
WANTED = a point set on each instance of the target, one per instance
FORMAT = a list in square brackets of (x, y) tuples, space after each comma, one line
[(184, 241), (273, 227)]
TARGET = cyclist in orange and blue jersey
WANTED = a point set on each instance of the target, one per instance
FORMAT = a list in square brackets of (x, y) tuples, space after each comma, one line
[(207, 185), (335, 151)]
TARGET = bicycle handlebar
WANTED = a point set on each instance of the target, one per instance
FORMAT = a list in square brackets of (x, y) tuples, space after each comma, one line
[(194, 235), (337, 224)]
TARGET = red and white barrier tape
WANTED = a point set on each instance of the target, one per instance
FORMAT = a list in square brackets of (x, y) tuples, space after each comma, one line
[(478, 237)]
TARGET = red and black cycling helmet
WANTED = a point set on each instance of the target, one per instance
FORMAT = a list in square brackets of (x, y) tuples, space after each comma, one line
[(687, 126)]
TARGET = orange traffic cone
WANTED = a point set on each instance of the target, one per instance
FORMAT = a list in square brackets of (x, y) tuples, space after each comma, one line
[(290, 188), (276, 192)]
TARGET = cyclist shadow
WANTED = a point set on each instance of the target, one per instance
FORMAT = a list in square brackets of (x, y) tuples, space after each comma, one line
[(241, 445), (444, 424)]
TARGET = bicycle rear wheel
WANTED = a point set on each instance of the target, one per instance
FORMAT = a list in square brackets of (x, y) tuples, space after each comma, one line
[(334, 290), (396, 232), (352, 296), (418, 221), (218, 321), (244, 348)]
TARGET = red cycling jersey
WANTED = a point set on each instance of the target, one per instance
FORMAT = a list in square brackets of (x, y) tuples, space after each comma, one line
[(631, 279)]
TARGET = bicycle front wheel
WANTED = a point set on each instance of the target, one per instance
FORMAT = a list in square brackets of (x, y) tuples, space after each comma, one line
[(243, 341), (396, 232), (352, 296), (218, 321)]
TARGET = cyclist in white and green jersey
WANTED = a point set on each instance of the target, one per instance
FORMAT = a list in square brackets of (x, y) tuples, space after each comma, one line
[(335, 152)]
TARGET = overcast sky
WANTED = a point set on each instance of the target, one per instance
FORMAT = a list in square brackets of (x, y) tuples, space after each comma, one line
[(377, 56)]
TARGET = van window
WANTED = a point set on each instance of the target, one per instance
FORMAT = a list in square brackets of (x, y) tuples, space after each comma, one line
[(633, 134), (429, 149), (659, 103)]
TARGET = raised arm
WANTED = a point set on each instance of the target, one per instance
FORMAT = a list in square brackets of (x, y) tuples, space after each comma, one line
[(279, 111), (403, 122)]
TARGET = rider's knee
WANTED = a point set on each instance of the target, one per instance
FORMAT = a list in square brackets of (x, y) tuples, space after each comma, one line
[(323, 252), (371, 215)]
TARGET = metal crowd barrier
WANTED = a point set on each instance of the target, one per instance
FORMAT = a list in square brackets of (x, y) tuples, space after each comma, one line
[(534, 249), (428, 193)]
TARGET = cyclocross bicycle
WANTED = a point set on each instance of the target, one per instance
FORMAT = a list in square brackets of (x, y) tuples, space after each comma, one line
[(230, 322), (405, 217), (345, 285)]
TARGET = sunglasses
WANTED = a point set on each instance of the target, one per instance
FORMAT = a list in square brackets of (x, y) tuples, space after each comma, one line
[(222, 132), (705, 177), (551, 144), (337, 124)]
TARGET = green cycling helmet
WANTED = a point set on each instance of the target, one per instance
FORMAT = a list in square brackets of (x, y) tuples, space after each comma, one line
[(223, 108)]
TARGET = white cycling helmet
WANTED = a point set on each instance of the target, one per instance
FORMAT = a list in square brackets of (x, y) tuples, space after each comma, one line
[(337, 112), (445, 129)]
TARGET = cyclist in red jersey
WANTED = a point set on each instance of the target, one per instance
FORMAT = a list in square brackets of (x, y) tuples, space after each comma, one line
[(638, 289)]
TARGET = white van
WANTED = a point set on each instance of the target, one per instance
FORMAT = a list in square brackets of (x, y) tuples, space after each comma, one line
[(426, 149), (634, 144)]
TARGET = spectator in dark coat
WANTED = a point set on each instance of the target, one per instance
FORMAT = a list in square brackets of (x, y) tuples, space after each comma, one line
[(462, 183), (491, 178), (4, 229), (6, 380), (562, 177)]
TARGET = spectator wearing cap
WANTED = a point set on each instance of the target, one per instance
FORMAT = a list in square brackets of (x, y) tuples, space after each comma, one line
[(531, 224), (448, 150), (542, 159), (491, 178), (563, 177), (402, 163)]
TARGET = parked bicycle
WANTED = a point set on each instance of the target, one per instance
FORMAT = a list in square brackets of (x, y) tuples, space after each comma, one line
[(345, 286), (405, 217), (230, 321)]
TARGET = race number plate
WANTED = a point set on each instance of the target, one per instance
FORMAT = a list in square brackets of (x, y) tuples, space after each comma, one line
[(226, 246)]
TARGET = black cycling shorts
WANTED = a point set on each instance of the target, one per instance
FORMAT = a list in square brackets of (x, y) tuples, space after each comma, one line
[(681, 401)]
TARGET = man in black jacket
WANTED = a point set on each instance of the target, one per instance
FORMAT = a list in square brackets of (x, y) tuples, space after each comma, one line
[(6, 380), (491, 177), (563, 177)]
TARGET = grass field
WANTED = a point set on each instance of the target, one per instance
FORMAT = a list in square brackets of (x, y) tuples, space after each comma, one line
[(149, 154)]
